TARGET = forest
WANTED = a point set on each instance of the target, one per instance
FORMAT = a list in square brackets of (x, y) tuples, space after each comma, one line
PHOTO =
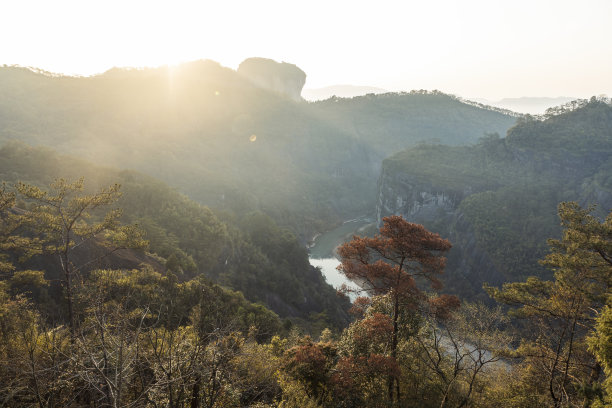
[(141, 337), (153, 247), (504, 191)]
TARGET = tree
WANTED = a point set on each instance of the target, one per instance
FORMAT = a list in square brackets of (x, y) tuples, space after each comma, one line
[(9, 223), (600, 344), (560, 313), (59, 221), (458, 350), (312, 365), (109, 346), (395, 262), (364, 365)]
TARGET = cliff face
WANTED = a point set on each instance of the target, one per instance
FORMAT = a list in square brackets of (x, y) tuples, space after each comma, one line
[(417, 201), (281, 78), (477, 256), (422, 202)]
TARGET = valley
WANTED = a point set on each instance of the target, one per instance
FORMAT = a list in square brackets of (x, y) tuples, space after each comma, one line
[(187, 229)]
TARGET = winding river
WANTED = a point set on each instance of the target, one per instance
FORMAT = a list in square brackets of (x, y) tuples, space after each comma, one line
[(322, 251)]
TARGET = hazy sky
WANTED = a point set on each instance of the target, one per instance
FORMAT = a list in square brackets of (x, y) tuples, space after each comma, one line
[(472, 48)]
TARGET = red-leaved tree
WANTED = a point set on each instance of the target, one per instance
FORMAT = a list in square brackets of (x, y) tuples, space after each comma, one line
[(395, 262)]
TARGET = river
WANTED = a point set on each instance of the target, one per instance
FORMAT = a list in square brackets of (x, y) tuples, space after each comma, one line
[(322, 251)]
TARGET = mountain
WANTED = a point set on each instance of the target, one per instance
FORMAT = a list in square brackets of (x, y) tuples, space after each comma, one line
[(229, 143), (281, 78), (496, 201), (391, 122), (340, 91)]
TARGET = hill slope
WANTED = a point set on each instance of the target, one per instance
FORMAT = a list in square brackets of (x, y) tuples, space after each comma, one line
[(230, 144), (248, 253), (496, 201)]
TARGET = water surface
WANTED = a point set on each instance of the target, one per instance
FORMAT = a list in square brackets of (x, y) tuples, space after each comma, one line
[(322, 252)]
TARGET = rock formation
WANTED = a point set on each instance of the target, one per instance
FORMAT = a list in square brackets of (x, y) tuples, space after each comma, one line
[(279, 77)]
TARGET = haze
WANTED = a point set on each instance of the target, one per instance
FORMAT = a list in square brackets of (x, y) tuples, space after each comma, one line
[(471, 48)]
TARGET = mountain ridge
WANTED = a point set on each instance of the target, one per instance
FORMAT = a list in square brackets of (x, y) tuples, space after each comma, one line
[(229, 144)]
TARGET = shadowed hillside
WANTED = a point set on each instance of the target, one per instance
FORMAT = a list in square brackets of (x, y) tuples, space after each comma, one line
[(230, 144), (497, 200), (249, 253)]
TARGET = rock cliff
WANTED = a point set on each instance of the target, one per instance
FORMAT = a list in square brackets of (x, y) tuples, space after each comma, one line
[(437, 207), (417, 201), (281, 78)]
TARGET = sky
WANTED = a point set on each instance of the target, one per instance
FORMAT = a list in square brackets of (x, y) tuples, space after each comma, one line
[(472, 48)]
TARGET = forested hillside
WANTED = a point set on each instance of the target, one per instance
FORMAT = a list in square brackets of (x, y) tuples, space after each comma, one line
[(496, 200), (248, 253), (391, 122), (152, 228), (228, 144), (121, 337)]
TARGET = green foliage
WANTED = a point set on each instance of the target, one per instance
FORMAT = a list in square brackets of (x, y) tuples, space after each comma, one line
[(512, 224), (600, 344), (394, 121), (60, 218), (145, 337), (140, 340), (60, 223), (505, 190), (18, 325), (584, 127), (9, 223), (560, 313), (450, 362), (251, 254), (180, 303)]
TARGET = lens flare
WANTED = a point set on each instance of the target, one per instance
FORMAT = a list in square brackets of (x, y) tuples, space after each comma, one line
[(253, 138)]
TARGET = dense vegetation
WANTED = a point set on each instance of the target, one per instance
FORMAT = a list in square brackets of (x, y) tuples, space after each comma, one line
[(391, 122), (228, 144), (508, 187), (116, 290), (249, 253), (142, 338)]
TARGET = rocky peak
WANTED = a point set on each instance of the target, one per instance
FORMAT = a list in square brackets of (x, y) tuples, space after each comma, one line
[(279, 77)]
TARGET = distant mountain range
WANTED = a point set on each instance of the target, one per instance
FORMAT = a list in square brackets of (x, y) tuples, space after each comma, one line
[(533, 105)]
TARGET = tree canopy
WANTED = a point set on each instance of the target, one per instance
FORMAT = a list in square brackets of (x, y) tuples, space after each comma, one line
[(393, 262)]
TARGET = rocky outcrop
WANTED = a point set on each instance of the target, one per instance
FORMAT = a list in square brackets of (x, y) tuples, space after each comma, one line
[(469, 266), (416, 201), (281, 78)]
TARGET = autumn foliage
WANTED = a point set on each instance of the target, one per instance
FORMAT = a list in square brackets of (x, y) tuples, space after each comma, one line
[(395, 258), (401, 257)]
